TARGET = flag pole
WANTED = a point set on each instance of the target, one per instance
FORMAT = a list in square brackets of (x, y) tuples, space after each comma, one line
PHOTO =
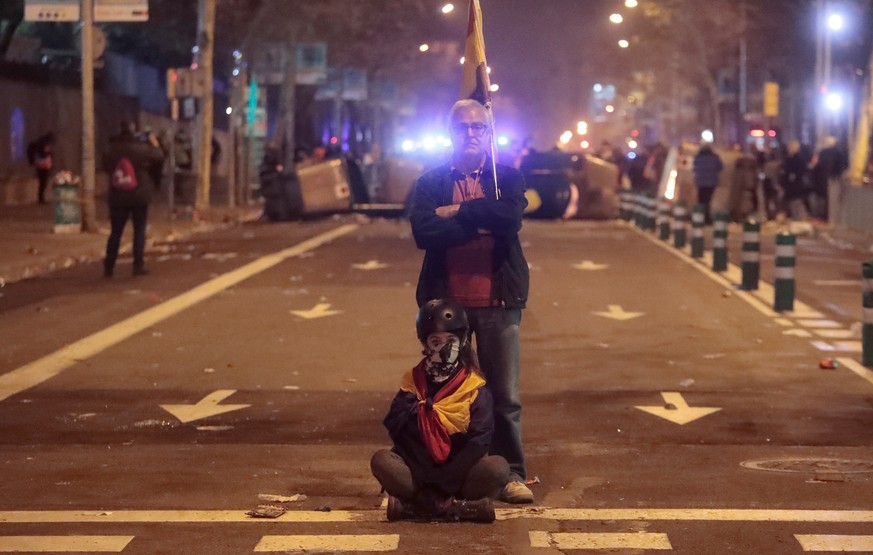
[(489, 109)]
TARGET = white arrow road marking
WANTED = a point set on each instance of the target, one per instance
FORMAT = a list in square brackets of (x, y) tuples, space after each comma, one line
[(343, 542), (607, 540), (590, 265), (843, 544), (677, 411), (205, 407), (64, 544), (370, 265), (616, 312), (318, 311)]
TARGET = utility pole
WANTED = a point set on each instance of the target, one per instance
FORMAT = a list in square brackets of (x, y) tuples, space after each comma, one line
[(89, 206), (206, 42)]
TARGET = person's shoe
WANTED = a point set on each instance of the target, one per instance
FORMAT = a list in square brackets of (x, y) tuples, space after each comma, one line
[(140, 271), (516, 492), (399, 509), (480, 510)]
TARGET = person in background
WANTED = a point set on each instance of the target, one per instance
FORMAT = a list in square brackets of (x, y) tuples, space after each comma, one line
[(794, 180), (40, 155), (473, 256), (707, 168), (827, 171), (132, 165), (441, 423)]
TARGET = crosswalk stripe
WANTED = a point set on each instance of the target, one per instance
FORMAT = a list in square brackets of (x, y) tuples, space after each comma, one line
[(350, 542), (835, 334), (63, 544), (843, 544), (602, 540), (818, 323)]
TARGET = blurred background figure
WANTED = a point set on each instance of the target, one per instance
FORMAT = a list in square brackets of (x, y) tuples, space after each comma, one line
[(794, 179), (828, 167), (40, 155), (707, 167)]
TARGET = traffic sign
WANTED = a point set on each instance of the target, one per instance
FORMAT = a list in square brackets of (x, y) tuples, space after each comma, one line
[(51, 10), (107, 11)]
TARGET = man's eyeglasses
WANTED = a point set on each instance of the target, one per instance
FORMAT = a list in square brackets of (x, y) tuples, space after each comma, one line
[(478, 129)]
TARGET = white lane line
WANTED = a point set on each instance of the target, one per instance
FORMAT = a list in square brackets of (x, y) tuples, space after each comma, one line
[(832, 542), (587, 540), (63, 544), (835, 334), (857, 368), (350, 542), (373, 515), (51, 365), (849, 346), (830, 324)]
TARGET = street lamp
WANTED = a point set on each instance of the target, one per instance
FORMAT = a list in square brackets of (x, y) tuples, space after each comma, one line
[(448, 8), (616, 18), (424, 48), (630, 3), (835, 22), (623, 43), (833, 101)]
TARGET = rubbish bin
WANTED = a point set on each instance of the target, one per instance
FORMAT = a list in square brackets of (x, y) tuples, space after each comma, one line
[(67, 204)]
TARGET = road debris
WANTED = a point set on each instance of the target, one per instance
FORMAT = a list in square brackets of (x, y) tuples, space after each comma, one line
[(828, 364), (267, 511), (323, 509), (281, 498), (532, 481), (727, 293)]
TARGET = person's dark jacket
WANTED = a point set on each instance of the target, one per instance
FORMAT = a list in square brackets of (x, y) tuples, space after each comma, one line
[(502, 218), (144, 158), (832, 162), (707, 166), (794, 176), (467, 448)]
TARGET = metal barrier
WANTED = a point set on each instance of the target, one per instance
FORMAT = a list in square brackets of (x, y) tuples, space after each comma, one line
[(784, 283), (751, 257)]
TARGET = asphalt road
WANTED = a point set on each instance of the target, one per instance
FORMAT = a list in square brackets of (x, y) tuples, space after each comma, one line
[(664, 409)]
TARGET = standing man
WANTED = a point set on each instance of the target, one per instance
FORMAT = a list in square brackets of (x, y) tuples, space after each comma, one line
[(40, 154), (707, 167), (827, 172), (473, 256), (132, 164)]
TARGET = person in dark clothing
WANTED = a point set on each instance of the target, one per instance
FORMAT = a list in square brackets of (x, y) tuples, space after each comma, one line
[(441, 423), (794, 179), (707, 167), (469, 232), (829, 166), (40, 155), (131, 163)]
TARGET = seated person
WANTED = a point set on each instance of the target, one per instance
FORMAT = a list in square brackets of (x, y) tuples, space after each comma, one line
[(441, 422)]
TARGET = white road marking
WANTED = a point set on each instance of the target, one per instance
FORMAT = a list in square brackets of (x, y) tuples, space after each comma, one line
[(676, 410), (797, 332), (375, 515), (370, 265), (590, 265), (616, 312), (823, 346), (818, 323), (318, 311), (849, 346), (63, 544), (47, 367), (588, 540), (843, 544), (205, 407), (349, 542), (835, 334), (783, 322), (857, 368)]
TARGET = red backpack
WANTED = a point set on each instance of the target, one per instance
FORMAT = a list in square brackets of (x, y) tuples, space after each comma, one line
[(124, 176)]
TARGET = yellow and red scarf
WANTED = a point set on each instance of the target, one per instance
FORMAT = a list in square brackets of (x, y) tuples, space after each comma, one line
[(449, 411)]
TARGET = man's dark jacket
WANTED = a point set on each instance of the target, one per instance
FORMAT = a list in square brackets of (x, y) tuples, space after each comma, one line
[(145, 158), (502, 218)]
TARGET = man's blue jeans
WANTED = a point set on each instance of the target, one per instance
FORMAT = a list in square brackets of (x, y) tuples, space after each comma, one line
[(497, 343)]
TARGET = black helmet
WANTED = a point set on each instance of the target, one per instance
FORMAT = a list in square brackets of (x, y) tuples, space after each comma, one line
[(441, 315)]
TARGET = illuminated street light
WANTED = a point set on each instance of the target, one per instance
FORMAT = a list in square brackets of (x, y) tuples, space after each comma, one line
[(229, 110), (616, 18), (632, 144), (495, 87), (833, 102), (610, 108), (448, 8), (630, 3), (462, 60), (707, 136), (623, 43), (566, 136), (598, 87), (503, 140), (835, 22), (584, 144), (582, 128), (424, 48), (488, 70)]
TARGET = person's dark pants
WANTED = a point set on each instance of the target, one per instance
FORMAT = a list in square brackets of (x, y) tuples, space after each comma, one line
[(43, 177), (497, 343), (704, 197), (118, 218), (485, 478)]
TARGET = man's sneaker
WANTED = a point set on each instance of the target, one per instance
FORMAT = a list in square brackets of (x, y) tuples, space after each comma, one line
[(480, 510), (399, 509), (516, 492)]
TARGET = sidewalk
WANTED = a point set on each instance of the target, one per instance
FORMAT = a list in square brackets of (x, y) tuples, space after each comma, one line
[(29, 247)]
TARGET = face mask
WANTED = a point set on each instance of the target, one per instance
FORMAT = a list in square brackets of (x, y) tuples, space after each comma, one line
[(441, 352)]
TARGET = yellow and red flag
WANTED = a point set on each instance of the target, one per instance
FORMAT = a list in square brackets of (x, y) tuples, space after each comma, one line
[(475, 82)]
